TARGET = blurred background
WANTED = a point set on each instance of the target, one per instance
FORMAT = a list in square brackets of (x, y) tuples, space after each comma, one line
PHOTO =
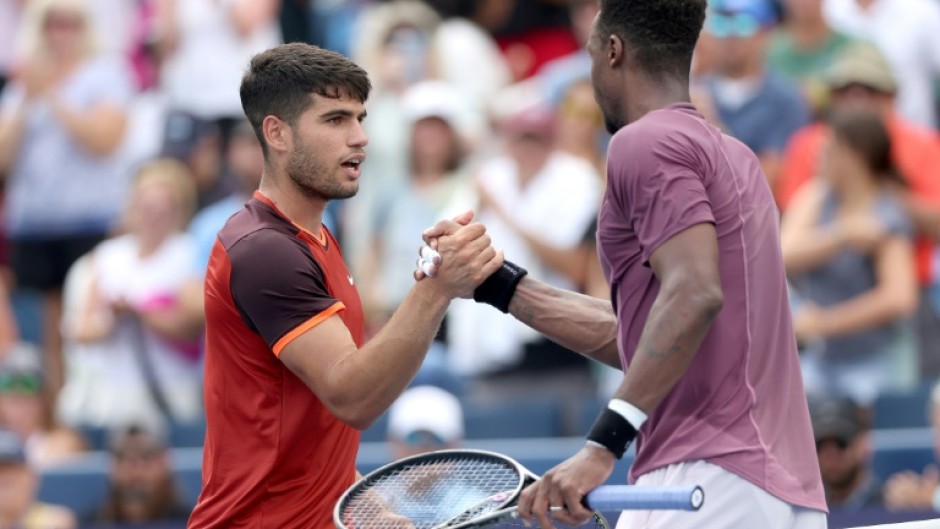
[(123, 149)]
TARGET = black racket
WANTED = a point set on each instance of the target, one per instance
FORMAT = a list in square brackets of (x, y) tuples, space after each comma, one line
[(464, 489)]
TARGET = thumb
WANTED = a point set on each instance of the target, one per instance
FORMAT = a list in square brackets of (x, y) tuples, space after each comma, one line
[(464, 218)]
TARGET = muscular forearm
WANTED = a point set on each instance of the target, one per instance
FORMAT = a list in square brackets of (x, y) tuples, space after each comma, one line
[(581, 323), (678, 322), (373, 377)]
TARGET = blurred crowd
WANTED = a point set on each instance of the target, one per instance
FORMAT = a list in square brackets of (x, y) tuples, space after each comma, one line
[(123, 149)]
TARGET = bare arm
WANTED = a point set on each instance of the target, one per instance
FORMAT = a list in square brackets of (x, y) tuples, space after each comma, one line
[(803, 243), (12, 126), (358, 385), (173, 322), (99, 130), (894, 296), (689, 299), (578, 322)]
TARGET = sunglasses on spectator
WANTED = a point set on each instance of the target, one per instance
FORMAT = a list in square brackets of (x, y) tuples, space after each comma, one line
[(20, 383), (842, 444), (726, 25)]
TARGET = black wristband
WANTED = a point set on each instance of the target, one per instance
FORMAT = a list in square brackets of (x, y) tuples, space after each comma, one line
[(498, 289), (613, 432)]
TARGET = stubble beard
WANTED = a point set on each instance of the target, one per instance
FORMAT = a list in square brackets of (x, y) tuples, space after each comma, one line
[(313, 176)]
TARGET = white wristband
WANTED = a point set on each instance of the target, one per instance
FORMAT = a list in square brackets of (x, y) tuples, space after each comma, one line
[(631, 413)]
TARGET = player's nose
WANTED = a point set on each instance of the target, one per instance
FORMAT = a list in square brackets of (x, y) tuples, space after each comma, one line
[(358, 137)]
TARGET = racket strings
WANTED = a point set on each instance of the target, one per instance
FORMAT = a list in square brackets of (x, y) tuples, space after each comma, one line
[(426, 494)]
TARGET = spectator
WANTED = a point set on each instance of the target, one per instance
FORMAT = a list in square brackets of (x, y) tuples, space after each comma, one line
[(142, 487), (245, 163), (750, 101), (133, 355), (530, 32), (62, 118), (438, 186), (528, 187), (424, 419), (861, 79), (907, 32), (556, 76), (207, 45), (18, 486), (25, 409), (581, 125), (848, 251), (804, 47), (843, 445), (197, 143), (908, 490)]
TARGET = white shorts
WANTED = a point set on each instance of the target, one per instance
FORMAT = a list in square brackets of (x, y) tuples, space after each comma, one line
[(731, 502)]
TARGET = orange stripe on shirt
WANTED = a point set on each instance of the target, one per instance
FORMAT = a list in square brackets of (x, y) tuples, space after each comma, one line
[(306, 326)]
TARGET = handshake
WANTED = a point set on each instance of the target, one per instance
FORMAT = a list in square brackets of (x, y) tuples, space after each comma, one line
[(459, 254)]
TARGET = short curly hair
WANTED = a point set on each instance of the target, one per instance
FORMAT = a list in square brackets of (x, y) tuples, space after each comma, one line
[(661, 33)]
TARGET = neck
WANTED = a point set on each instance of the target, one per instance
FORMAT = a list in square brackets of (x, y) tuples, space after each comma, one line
[(809, 33), (149, 245), (646, 96), (865, 4), (301, 209), (860, 194), (424, 176)]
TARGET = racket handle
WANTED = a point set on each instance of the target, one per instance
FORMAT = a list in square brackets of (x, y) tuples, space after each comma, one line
[(632, 497)]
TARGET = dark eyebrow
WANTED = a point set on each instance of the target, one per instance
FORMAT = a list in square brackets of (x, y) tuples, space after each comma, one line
[(342, 113)]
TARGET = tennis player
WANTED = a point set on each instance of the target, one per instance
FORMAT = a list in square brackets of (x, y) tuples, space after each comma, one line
[(688, 239), (289, 382)]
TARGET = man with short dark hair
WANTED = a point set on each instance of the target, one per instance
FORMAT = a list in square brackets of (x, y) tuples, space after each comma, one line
[(688, 237), (289, 380), (843, 446)]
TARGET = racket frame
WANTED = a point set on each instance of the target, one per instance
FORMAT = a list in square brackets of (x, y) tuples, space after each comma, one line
[(525, 478)]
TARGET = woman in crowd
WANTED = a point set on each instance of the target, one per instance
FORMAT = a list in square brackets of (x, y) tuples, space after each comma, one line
[(132, 356), (848, 253)]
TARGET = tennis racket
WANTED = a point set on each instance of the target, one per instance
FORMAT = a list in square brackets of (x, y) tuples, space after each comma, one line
[(474, 489)]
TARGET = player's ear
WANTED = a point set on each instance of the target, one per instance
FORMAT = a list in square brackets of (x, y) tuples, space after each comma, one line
[(276, 133), (615, 51)]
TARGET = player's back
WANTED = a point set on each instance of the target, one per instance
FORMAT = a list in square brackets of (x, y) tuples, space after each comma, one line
[(740, 404), (274, 456)]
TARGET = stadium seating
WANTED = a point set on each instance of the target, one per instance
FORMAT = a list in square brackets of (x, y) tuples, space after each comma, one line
[(902, 409)]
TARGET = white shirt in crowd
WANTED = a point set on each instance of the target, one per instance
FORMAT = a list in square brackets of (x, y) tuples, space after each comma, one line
[(105, 383), (203, 75), (558, 205)]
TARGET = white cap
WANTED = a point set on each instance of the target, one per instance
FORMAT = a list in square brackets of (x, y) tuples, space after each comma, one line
[(426, 408), (433, 99)]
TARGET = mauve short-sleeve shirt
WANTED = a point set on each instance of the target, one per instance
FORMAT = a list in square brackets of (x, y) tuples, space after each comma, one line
[(741, 403)]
